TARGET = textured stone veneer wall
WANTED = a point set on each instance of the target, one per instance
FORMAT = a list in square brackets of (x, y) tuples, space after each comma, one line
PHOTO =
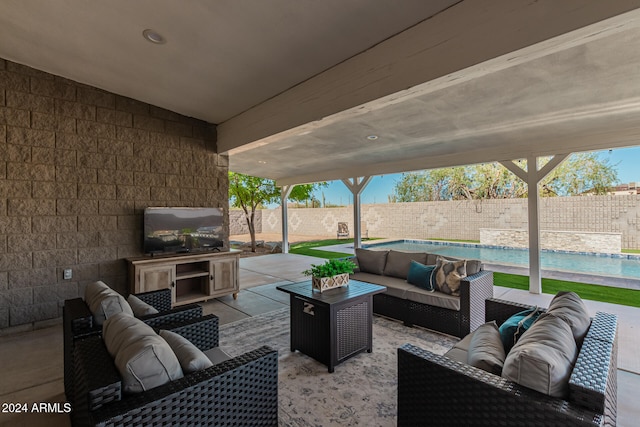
[(577, 241), (464, 219), (77, 167)]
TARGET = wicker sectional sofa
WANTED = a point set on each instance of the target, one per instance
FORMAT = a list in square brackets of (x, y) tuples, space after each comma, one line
[(454, 315), (447, 391)]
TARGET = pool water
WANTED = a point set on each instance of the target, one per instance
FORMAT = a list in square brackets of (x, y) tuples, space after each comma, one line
[(613, 265)]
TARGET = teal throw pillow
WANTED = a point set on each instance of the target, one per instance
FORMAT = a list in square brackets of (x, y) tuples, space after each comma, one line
[(513, 328), (420, 275)]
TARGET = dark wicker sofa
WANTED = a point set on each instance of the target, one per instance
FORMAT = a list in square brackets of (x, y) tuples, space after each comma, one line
[(433, 310), (241, 391), (437, 390), (78, 322)]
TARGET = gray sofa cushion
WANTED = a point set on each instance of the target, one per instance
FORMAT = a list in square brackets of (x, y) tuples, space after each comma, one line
[(398, 263), (543, 358), (395, 287), (139, 307), (104, 302), (217, 355), (371, 261), (142, 357), (460, 351), (486, 350), (570, 308), (473, 266), (431, 259), (191, 358), (437, 299)]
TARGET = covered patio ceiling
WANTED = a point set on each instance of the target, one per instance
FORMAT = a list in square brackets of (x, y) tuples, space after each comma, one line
[(579, 91), (297, 87), (566, 96)]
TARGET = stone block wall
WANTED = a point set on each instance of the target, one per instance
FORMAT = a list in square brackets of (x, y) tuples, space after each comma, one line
[(462, 220), (238, 223), (78, 165)]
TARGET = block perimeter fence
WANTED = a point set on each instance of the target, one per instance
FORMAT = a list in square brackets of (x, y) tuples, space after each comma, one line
[(461, 219)]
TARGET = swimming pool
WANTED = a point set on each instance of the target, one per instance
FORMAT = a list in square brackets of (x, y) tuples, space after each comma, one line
[(612, 265)]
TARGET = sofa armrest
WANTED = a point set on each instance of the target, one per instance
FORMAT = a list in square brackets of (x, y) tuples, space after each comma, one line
[(474, 291), (160, 299), (459, 394), (175, 315), (201, 332), (77, 318), (96, 378), (593, 381)]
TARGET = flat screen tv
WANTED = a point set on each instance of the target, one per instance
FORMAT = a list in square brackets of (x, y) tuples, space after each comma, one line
[(175, 230)]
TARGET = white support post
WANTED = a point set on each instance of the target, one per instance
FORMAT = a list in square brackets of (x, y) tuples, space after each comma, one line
[(285, 191), (356, 185), (535, 273), (532, 176)]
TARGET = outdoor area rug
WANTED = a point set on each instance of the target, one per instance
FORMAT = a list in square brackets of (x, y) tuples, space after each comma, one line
[(361, 392)]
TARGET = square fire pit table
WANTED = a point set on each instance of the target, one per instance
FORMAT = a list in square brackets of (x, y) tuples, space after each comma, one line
[(334, 325)]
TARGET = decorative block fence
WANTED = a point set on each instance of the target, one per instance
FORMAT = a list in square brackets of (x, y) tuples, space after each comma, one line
[(463, 220)]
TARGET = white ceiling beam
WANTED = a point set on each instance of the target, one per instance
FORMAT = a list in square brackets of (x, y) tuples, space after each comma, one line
[(467, 34), (473, 155)]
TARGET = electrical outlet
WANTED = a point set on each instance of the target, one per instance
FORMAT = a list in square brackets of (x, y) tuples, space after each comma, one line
[(67, 274)]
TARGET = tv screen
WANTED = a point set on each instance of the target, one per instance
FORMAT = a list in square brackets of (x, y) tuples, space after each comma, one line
[(172, 230)]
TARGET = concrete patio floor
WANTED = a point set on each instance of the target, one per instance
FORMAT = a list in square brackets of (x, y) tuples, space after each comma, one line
[(36, 376)]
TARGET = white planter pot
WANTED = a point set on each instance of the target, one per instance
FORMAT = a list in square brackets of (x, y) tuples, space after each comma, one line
[(324, 283)]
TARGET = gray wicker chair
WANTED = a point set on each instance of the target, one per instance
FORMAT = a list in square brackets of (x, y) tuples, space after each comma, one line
[(242, 391), (78, 323), (436, 390)]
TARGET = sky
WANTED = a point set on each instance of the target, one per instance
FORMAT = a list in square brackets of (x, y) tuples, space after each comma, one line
[(626, 161)]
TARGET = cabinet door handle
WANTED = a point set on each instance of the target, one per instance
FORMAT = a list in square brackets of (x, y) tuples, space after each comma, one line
[(211, 278), (173, 284)]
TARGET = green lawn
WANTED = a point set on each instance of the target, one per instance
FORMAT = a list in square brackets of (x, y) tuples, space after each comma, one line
[(609, 294), (622, 296), (307, 248)]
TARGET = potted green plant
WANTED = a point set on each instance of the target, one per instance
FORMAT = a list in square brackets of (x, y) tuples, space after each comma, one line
[(332, 274)]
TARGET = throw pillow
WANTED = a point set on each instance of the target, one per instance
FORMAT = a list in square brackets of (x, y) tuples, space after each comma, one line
[(191, 358), (447, 275), (485, 349), (543, 359), (139, 307), (371, 261), (513, 328), (420, 275), (569, 307), (142, 357)]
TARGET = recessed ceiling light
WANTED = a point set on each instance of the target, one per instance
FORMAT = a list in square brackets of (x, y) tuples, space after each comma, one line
[(372, 137), (262, 162), (153, 36)]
